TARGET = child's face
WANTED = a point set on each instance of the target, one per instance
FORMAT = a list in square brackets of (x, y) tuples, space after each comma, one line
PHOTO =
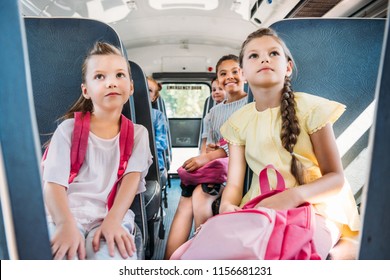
[(153, 89), (264, 63), (217, 92), (230, 76), (107, 82)]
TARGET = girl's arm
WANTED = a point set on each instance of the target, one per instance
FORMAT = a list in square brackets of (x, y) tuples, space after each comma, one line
[(328, 157), (330, 183), (111, 228), (203, 146), (232, 194), (67, 240), (197, 162)]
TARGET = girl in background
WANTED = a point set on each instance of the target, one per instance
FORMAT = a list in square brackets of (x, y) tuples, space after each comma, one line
[(218, 94), (159, 124), (196, 201)]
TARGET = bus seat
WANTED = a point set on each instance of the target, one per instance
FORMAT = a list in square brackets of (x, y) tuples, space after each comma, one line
[(153, 179), (57, 47), (339, 59), (167, 153), (376, 230), (162, 108), (23, 227), (208, 104), (159, 104)]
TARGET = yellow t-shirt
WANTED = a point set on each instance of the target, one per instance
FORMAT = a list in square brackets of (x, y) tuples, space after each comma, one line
[(260, 133)]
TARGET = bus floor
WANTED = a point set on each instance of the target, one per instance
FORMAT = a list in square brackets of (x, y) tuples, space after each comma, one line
[(173, 195)]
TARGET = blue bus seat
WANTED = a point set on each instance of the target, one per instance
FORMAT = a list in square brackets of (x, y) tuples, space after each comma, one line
[(162, 108), (208, 104), (375, 203), (339, 59), (57, 47), (24, 234), (159, 104), (153, 178)]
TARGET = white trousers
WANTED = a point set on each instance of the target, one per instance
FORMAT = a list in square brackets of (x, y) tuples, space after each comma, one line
[(103, 253)]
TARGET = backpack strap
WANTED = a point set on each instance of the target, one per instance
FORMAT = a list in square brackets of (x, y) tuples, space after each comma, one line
[(264, 183), (79, 143), (79, 148), (126, 143)]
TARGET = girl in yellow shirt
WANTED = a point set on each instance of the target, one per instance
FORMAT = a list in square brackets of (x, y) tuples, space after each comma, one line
[(293, 131)]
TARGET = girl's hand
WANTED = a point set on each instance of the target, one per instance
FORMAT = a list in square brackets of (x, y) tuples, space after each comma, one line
[(229, 208), (195, 163), (212, 147), (112, 231), (67, 241), (282, 201)]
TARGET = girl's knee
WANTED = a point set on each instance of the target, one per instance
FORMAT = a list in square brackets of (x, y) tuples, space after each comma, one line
[(103, 252), (198, 193)]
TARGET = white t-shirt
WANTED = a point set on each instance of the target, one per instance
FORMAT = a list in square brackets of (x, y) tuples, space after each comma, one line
[(87, 194)]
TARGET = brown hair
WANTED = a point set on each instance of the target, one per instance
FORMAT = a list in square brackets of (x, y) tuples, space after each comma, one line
[(82, 104), (159, 87), (224, 58), (290, 125)]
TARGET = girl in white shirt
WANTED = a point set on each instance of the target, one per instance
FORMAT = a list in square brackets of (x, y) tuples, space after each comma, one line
[(80, 224)]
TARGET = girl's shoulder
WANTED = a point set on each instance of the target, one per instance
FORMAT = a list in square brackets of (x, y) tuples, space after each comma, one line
[(217, 107), (307, 102), (315, 111), (243, 114), (66, 126), (139, 129)]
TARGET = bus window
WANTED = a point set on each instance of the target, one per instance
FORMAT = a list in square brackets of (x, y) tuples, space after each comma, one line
[(183, 100)]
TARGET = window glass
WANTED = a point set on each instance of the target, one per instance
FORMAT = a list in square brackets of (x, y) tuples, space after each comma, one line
[(183, 100)]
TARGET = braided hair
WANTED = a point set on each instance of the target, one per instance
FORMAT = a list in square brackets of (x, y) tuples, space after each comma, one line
[(290, 126)]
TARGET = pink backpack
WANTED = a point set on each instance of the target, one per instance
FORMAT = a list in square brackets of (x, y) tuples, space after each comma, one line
[(80, 143), (213, 172), (262, 233)]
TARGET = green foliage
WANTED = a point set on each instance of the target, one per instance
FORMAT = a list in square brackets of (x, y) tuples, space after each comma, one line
[(185, 100)]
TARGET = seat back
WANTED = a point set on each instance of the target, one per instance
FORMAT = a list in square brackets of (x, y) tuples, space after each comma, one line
[(143, 114), (57, 48), (159, 104), (337, 59), (24, 233), (376, 223), (162, 107)]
